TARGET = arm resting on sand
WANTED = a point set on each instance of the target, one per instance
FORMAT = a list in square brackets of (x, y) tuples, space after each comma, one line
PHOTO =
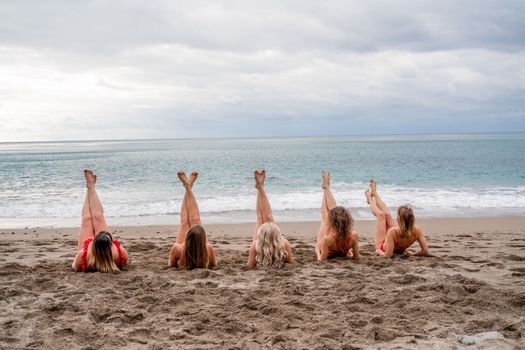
[(325, 244), (288, 247), (175, 254), (355, 246), (76, 263), (251, 256), (423, 244), (212, 258)]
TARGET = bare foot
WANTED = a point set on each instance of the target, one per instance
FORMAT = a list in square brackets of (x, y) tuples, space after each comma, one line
[(259, 176), (182, 177), (373, 187), (326, 179), (368, 196), (91, 178), (193, 177)]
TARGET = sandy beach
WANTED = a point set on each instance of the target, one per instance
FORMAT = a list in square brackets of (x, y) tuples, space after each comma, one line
[(474, 283)]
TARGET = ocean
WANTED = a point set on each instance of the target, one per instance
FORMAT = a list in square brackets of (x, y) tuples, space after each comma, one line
[(448, 175)]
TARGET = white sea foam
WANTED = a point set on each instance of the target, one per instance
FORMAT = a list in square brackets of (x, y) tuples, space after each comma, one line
[(287, 205)]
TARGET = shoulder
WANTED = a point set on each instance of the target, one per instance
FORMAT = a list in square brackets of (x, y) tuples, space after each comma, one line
[(392, 232), (252, 246), (176, 249), (328, 241), (417, 231), (354, 236)]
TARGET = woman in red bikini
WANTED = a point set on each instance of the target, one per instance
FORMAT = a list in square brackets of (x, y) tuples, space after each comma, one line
[(98, 250), (191, 249), (335, 237), (390, 238)]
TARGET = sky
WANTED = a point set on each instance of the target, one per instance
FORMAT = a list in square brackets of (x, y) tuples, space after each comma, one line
[(88, 70)]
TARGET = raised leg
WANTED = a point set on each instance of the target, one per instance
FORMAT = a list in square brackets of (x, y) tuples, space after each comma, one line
[(184, 225), (86, 228), (265, 210), (327, 203), (379, 202), (95, 206), (381, 228), (328, 196), (258, 183), (191, 202)]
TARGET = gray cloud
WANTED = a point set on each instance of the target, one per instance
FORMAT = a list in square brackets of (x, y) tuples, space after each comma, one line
[(123, 69)]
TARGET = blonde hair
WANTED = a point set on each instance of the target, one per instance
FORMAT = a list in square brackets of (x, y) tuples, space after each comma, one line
[(101, 255), (405, 220), (270, 249)]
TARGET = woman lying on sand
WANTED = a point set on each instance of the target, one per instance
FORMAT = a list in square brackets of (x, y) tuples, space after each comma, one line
[(191, 249), (389, 238), (335, 236), (268, 248), (98, 251)]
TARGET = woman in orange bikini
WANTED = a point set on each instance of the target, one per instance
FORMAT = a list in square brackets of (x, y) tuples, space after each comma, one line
[(335, 237), (390, 238), (98, 250), (191, 250)]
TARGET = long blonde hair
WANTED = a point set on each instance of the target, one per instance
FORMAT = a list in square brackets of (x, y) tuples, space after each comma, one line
[(405, 220), (270, 249), (101, 255)]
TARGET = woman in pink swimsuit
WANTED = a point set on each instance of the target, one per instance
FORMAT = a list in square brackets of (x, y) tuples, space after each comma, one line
[(390, 238), (98, 250)]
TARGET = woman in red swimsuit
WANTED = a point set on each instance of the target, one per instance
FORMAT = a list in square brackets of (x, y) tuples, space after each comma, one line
[(335, 237), (191, 249), (391, 239), (98, 250)]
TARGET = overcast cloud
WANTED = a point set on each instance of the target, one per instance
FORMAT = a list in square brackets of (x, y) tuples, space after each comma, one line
[(163, 69)]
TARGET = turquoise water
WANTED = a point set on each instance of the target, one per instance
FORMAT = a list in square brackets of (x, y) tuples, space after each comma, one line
[(440, 175)]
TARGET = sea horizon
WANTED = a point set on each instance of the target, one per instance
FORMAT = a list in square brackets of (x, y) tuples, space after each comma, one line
[(270, 137)]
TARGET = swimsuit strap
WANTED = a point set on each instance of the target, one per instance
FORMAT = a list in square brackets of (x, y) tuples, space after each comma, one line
[(83, 262), (120, 254)]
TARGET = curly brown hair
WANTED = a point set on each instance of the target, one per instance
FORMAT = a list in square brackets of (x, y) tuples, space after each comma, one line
[(341, 220)]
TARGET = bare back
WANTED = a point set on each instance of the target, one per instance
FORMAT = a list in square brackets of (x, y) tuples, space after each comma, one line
[(403, 243)]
